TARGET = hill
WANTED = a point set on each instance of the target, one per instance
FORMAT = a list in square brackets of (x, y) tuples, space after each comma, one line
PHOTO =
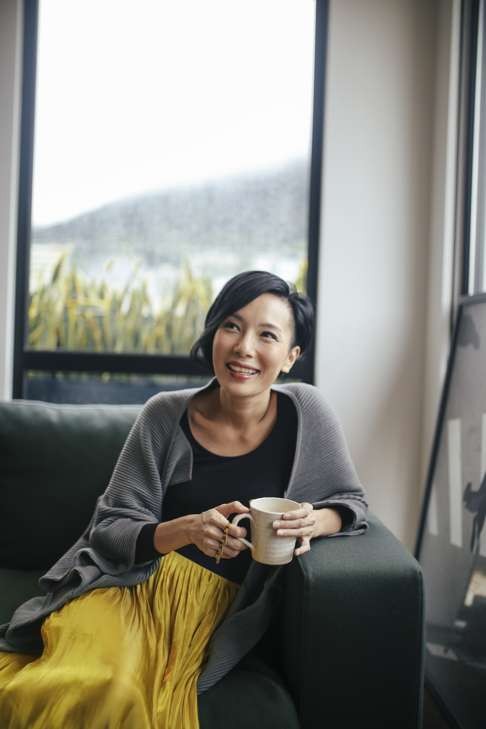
[(252, 213)]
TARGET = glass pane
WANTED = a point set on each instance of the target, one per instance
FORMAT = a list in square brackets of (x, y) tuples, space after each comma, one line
[(172, 155), (106, 387)]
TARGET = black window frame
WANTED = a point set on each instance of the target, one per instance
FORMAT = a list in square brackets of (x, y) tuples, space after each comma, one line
[(26, 359), (469, 51), (473, 53)]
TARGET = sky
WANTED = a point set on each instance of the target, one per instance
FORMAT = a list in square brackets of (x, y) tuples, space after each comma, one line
[(138, 95)]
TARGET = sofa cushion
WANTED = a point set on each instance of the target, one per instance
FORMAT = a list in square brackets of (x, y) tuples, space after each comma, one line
[(48, 497), (252, 694), (16, 587)]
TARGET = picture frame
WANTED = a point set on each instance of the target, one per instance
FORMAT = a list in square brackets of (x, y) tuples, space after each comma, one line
[(451, 539)]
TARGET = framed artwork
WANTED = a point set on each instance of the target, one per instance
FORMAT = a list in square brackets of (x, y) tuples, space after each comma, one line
[(451, 541)]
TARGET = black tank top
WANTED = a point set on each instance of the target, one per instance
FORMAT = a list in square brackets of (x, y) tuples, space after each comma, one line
[(216, 480)]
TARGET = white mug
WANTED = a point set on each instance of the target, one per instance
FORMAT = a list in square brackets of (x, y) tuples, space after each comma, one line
[(267, 547)]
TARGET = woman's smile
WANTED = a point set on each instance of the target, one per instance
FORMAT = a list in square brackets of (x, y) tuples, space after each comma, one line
[(241, 372)]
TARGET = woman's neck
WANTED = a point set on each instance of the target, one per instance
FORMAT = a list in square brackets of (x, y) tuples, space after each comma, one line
[(240, 413)]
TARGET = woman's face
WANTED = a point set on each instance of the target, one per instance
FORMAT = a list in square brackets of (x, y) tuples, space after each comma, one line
[(252, 346)]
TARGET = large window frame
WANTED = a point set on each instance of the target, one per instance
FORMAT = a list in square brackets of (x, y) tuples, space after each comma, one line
[(26, 359)]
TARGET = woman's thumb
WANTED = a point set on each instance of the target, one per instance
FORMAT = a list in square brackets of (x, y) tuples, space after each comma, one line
[(232, 507)]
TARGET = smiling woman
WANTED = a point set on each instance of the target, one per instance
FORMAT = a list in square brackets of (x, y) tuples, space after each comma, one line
[(133, 625), (255, 330), (254, 336)]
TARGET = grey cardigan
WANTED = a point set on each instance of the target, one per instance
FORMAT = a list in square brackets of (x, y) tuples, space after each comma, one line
[(157, 454)]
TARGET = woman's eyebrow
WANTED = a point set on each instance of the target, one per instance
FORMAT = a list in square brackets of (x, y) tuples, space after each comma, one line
[(262, 323)]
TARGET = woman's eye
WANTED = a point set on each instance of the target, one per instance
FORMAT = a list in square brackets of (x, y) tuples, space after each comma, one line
[(269, 334), (229, 324)]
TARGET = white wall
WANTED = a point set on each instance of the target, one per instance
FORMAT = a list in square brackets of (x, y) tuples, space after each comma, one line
[(10, 75), (378, 132)]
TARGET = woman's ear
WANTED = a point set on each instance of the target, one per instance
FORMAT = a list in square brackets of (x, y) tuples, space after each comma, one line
[(294, 355)]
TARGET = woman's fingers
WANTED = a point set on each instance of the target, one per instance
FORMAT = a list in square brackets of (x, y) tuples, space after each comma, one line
[(233, 531), (297, 523), (216, 533), (233, 507), (302, 512), (235, 545), (216, 518), (304, 546), (212, 544), (214, 536), (297, 528), (229, 553), (305, 531)]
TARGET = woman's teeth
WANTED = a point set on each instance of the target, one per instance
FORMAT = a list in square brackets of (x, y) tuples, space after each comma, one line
[(241, 371)]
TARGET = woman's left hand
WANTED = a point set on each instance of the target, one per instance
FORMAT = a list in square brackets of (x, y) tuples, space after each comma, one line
[(300, 523), (305, 524)]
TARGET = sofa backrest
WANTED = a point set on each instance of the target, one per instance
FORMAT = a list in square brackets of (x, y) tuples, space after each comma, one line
[(55, 460)]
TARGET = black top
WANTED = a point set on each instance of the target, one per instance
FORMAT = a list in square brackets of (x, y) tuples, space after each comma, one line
[(265, 471)]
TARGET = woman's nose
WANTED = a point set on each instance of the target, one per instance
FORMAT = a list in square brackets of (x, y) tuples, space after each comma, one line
[(245, 344)]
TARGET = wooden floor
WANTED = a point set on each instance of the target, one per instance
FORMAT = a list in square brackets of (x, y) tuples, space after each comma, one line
[(432, 717)]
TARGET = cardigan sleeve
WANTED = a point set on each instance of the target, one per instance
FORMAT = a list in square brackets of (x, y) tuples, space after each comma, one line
[(145, 550), (133, 497), (346, 514), (338, 484)]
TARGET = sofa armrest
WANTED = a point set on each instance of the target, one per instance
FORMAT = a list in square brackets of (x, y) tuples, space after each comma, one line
[(352, 632)]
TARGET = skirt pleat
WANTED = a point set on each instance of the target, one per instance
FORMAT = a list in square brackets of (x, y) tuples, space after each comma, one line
[(120, 657)]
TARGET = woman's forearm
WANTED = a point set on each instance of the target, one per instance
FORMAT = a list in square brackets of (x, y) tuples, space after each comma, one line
[(173, 534)]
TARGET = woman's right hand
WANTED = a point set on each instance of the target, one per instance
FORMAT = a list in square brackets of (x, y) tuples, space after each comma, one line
[(206, 530)]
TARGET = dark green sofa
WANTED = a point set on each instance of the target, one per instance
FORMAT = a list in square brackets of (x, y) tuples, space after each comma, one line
[(346, 649)]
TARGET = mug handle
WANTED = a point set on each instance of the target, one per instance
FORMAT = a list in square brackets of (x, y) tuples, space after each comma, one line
[(236, 521)]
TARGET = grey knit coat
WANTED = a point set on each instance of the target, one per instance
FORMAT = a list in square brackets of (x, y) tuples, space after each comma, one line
[(157, 455)]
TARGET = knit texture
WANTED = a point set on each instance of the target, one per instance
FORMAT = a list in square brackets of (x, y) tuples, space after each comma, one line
[(157, 454)]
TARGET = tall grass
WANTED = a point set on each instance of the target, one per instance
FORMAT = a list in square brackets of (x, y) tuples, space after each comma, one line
[(71, 312)]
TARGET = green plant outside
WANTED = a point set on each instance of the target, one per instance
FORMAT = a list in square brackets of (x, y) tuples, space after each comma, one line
[(72, 312)]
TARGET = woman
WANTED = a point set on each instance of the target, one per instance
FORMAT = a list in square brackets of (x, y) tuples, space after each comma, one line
[(123, 638)]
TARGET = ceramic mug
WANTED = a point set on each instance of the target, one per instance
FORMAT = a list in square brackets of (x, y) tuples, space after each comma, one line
[(266, 546)]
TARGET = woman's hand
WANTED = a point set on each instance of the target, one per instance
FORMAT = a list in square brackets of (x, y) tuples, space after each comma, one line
[(300, 523), (206, 530), (305, 524)]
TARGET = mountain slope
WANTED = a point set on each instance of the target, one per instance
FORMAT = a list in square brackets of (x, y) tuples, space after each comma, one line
[(254, 212)]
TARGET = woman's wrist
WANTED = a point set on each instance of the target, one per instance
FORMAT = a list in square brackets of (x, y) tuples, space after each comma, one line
[(173, 534), (190, 522)]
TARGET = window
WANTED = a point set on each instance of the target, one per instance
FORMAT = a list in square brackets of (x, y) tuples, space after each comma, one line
[(170, 146)]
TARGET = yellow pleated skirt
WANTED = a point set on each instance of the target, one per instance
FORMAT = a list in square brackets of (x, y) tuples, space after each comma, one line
[(120, 657)]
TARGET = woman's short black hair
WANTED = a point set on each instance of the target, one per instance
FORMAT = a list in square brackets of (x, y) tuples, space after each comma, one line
[(237, 293)]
